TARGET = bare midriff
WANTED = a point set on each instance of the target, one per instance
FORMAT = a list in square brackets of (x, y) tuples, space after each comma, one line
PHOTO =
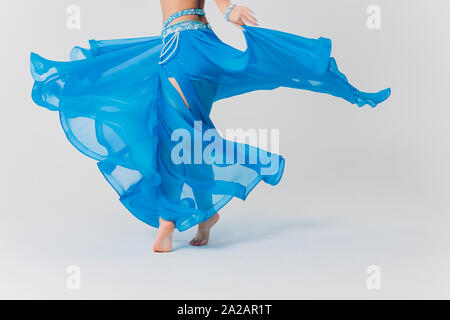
[(170, 7)]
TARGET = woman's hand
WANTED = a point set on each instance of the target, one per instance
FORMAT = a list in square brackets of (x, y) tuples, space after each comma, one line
[(242, 16)]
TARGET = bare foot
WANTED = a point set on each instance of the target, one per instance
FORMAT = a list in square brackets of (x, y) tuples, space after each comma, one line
[(202, 236), (163, 242)]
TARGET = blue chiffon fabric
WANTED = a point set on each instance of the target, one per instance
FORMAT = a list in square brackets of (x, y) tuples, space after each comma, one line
[(117, 106)]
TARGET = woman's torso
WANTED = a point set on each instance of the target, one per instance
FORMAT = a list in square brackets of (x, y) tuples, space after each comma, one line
[(170, 7)]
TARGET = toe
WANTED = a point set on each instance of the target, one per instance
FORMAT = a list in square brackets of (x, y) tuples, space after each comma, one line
[(198, 242)]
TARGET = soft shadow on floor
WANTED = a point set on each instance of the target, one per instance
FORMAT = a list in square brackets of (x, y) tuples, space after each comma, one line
[(228, 235)]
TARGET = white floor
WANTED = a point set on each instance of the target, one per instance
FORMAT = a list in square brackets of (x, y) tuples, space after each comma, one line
[(267, 257)]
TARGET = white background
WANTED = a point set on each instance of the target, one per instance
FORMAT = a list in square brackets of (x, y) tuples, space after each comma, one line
[(361, 187)]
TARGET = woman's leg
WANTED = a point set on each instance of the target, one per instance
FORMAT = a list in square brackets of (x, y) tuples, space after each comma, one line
[(203, 200), (163, 242), (202, 236)]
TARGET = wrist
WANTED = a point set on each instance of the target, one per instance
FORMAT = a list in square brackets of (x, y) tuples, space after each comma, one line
[(228, 11), (223, 6)]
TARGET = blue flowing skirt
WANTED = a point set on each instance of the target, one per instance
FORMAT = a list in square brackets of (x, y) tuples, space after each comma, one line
[(117, 106)]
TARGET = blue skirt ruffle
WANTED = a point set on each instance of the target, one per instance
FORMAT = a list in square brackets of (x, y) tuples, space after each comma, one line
[(117, 106)]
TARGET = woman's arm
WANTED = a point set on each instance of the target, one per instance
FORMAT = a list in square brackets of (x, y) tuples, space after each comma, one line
[(240, 15)]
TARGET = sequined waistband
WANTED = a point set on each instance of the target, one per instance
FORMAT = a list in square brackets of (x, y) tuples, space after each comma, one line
[(171, 33), (182, 13), (184, 25)]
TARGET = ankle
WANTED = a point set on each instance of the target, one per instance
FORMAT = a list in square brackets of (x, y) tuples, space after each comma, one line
[(166, 225)]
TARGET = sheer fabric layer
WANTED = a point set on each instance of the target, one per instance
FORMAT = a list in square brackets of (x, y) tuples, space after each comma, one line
[(117, 106)]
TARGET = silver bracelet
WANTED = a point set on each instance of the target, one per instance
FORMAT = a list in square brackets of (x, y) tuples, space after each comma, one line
[(227, 13)]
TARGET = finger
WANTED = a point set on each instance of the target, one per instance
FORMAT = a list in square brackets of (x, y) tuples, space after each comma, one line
[(248, 21), (251, 19), (237, 25), (248, 10), (250, 15)]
